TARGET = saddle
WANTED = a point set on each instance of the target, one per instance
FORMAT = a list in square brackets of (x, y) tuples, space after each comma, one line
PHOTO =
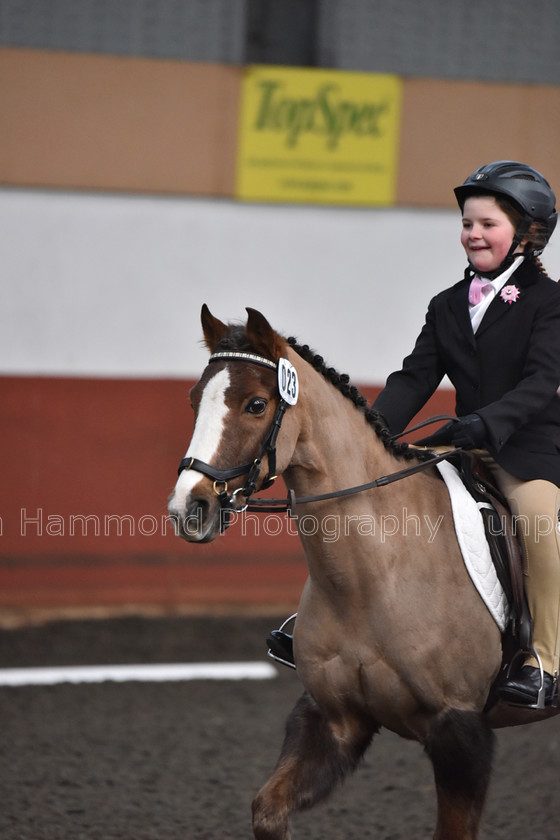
[(505, 547)]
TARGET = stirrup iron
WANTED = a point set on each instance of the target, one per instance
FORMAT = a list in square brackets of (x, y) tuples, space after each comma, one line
[(541, 692), (278, 658)]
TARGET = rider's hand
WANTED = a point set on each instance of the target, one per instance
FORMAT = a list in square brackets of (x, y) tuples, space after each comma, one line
[(466, 432)]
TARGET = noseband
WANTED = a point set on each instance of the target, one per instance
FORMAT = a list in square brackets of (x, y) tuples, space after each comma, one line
[(252, 468)]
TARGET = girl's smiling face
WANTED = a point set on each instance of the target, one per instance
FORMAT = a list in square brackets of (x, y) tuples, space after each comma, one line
[(487, 232)]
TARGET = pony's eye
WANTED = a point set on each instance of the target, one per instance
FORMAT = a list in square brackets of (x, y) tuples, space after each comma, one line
[(257, 405)]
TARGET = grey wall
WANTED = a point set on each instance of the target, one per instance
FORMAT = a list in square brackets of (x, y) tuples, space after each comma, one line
[(493, 40)]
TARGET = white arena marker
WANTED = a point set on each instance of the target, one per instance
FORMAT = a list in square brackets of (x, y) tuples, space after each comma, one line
[(143, 673)]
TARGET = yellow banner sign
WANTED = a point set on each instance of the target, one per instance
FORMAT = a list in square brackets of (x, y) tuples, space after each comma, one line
[(318, 136)]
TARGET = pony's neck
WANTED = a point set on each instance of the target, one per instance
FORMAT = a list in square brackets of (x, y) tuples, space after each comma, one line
[(336, 446)]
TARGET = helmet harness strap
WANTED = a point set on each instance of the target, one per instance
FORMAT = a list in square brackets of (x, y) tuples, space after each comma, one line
[(509, 258)]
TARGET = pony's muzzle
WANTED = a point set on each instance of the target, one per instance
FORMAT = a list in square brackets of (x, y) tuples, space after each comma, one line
[(195, 514), (199, 523)]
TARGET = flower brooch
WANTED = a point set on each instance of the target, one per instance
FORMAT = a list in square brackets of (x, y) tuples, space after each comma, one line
[(509, 294)]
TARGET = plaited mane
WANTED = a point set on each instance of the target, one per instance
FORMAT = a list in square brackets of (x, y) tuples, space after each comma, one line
[(341, 382), (236, 339)]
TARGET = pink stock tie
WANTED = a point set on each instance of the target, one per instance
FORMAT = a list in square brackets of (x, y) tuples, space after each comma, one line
[(478, 290)]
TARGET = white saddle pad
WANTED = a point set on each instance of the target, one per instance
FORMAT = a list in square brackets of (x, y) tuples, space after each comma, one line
[(474, 546)]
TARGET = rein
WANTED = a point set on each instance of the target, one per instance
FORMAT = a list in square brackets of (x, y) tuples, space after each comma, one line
[(288, 504)]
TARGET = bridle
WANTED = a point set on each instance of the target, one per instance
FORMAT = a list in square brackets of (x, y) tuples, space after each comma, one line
[(252, 468)]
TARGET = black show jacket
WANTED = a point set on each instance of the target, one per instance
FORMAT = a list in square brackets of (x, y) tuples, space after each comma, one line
[(508, 373)]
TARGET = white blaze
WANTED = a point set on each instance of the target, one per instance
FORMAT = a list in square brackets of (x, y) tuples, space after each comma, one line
[(207, 434)]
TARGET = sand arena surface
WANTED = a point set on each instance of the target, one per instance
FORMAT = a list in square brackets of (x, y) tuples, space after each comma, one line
[(182, 760)]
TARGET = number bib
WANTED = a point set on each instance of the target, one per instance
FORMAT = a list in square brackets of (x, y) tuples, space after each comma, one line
[(288, 381)]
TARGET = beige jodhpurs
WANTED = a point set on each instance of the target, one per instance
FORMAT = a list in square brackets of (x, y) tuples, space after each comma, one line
[(536, 504)]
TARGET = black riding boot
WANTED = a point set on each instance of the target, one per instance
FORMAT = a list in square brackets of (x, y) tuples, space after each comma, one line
[(281, 647), (523, 690)]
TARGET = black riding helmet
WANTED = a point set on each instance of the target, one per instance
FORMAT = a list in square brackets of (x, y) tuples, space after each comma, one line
[(529, 191)]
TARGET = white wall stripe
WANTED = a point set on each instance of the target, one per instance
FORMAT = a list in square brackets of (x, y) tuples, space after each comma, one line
[(95, 274), (143, 673)]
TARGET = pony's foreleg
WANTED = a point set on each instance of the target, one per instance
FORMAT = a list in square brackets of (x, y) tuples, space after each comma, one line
[(460, 745), (312, 762)]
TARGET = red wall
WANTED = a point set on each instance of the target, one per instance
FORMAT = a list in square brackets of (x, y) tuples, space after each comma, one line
[(97, 448)]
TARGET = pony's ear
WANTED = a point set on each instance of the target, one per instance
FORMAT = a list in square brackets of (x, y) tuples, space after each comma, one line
[(262, 337), (213, 329)]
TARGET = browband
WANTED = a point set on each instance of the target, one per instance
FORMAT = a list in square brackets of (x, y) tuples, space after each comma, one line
[(248, 357)]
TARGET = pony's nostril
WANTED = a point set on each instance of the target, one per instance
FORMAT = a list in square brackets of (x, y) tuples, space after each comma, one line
[(195, 516), (198, 507)]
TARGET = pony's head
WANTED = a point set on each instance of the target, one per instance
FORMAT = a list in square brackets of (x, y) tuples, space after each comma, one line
[(238, 407)]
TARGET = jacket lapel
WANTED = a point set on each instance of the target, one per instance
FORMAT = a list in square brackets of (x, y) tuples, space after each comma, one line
[(459, 305), (522, 278)]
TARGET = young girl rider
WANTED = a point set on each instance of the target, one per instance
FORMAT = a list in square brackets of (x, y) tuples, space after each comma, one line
[(496, 334)]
